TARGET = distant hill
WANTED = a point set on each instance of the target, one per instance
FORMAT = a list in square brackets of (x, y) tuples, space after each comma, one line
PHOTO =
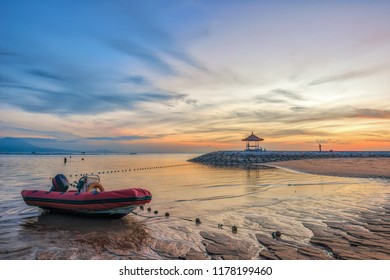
[(19, 145)]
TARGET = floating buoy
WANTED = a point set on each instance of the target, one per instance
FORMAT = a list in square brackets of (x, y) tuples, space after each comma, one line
[(234, 229), (155, 212), (197, 221), (276, 234), (149, 209), (167, 214)]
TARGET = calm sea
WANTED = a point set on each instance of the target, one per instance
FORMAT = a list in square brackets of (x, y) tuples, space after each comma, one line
[(264, 199)]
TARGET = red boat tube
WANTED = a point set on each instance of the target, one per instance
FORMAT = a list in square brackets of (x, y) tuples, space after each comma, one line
[(110, 203)]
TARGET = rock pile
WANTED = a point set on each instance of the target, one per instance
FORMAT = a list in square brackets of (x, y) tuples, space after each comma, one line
[(243, 158)]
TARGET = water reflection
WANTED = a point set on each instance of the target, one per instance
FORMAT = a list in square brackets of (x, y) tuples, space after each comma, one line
[(58, 221), (57, 236), (250, 173)]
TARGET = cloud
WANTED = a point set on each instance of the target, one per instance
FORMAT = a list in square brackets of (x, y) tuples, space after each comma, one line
[(370, 114), (379, 140), (153, 55), (6, 80), (190, 101), (137, 80), (119, 138), (305, 115), (297, 132), (298, 108), (161, 97), (289, 94), (345, 76), (145, 54), (329, 141), (35, 140), (263, 99), (41, 100), (144, 23), (279, 96), (4, 53), (45, 74)]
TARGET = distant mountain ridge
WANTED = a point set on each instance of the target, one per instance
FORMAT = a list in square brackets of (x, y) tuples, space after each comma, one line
[(19, 145), (13, 145)]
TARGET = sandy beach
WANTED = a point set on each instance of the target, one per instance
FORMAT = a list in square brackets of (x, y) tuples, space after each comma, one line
[(345, 167)]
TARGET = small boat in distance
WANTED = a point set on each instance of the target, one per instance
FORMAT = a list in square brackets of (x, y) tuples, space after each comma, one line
[(115, 204)]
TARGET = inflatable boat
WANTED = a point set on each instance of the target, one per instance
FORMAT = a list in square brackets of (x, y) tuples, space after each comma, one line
[(116, 203)]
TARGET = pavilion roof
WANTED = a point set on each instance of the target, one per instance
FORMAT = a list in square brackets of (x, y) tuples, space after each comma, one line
[(252, 137)]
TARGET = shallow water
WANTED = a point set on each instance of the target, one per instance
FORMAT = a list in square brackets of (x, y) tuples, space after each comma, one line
[(255, 200)]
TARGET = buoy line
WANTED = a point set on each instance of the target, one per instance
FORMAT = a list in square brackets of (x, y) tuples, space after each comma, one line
[(277, 234), (124, 170)]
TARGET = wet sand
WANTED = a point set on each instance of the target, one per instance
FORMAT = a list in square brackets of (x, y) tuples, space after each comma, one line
[(367, 238), (345, 167)]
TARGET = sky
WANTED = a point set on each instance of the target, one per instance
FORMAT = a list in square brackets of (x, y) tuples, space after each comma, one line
[(196, 76)]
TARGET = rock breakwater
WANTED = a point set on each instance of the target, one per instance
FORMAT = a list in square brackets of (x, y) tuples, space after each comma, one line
[(247, 158)]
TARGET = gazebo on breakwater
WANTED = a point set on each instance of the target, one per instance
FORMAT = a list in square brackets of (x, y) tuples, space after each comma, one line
[(256, 143)]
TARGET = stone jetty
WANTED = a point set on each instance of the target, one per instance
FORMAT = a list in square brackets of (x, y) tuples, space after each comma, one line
[(247, 158)]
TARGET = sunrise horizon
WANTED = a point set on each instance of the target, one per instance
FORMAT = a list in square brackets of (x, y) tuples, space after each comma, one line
[(196, 76)]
